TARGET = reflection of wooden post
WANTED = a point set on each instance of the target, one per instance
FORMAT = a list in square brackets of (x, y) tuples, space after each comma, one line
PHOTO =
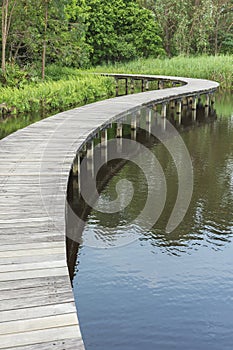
[(133, 134), (77, 169), (133, 123), (212, 98), (138, 118), (148, 120), (207, 100), (104, 143), (194, 115), (178, 107), (76, 165), (90, 157), (179, 118), (164, 110), (207, 111), (164, 123), (154, 108)]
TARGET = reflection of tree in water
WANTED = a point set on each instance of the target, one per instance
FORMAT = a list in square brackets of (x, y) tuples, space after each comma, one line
[(208, 221)]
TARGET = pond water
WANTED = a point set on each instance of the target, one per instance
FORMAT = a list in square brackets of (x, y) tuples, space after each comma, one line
[(162, 291)]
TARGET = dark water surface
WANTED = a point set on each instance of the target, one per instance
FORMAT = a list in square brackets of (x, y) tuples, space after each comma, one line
[(165, 291)]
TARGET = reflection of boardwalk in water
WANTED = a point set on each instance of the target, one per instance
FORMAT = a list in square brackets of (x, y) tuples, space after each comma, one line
[(149, 119), (37, 305)]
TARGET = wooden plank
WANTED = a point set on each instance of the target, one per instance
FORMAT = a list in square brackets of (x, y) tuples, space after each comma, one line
[(19, 275), (64, 344), (35, 301), (33, 324), (31, 252), (37, 311), (35, 282), (39, 336)]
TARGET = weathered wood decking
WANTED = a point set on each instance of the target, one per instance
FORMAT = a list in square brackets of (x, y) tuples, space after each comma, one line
[(37, 309)]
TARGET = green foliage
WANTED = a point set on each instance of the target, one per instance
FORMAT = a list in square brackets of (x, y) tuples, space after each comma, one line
[(61, 94), (120, 30), (18, 77)]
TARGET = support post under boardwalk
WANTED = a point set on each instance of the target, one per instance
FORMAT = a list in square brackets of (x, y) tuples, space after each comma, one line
[(132, 86), (194, 103), (134, 123), (126, 86), (143, 85), (117, 86), (172, 104), (160, 84), (119, 130), (184, 101)]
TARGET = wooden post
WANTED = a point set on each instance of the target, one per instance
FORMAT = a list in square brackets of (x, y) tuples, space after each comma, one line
[(160, 84), (184, 101), (147, 85), (126, 86), (172, 104), (132, 85), (143, 85), (194, 103), (117, 87), (119, 130)]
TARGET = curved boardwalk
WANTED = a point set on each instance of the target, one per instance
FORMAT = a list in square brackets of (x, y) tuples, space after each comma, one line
[(37, 309)]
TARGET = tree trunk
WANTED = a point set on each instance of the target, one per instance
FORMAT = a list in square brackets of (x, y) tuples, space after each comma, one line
[(5, 5), (45, 39)]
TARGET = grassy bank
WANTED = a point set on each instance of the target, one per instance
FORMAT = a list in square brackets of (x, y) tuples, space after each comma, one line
[(73, 89), (67, 87), (218, 68)]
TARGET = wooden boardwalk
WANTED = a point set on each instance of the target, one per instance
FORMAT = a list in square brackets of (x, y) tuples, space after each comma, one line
[(37, 309)]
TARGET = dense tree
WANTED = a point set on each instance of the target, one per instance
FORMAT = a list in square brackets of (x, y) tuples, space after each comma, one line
[(121, 30), (194, 26), (83, 32)]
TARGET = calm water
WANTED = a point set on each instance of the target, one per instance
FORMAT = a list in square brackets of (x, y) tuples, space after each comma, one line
[(165, 291)]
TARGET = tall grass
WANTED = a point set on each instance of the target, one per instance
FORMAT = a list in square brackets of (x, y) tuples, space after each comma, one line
[(58, 95), (218, 68)]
